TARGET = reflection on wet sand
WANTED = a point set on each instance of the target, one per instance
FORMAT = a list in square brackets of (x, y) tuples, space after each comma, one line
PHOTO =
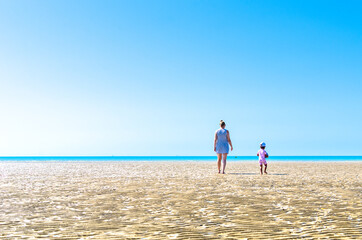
[(179, 200)]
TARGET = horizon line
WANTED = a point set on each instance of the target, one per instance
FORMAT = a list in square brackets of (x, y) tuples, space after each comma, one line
[(178, 156)]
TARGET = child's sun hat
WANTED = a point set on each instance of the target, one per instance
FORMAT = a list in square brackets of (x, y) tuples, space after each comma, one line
[(262, 144)]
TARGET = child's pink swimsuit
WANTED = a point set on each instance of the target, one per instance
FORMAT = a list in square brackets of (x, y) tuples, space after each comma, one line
[(262, 153)]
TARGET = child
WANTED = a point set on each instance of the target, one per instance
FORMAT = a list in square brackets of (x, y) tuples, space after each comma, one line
[(262, 155)]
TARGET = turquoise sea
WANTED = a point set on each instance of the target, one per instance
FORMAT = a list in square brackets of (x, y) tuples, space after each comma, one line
[(181, 158)]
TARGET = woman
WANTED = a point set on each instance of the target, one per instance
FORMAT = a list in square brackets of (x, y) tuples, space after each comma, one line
[(221, 145)]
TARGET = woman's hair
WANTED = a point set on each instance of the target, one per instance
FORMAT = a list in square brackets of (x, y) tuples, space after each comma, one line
[(222, 123)]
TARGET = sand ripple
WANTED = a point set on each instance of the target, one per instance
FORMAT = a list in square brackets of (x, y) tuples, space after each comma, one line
[(180, 200)]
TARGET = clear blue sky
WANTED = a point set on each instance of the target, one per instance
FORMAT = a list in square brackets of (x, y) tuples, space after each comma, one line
[(156, 77)]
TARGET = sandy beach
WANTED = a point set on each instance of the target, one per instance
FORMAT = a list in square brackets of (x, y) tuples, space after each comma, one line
[(180, 200)]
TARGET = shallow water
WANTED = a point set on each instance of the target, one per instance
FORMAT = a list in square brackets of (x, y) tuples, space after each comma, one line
[(179, 200), (182, 158)]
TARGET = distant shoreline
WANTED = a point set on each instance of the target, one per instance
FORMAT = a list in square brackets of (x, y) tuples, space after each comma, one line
[(181, 158)]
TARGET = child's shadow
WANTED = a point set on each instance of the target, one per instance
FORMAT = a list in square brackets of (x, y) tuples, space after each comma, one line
[(279, 174)]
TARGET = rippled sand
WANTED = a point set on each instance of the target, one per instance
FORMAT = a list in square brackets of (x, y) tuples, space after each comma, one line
[(179, 200)]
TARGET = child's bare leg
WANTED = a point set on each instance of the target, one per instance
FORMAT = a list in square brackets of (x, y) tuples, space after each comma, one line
[(265, 168), (261, 169), (224, 156), (219, 161)]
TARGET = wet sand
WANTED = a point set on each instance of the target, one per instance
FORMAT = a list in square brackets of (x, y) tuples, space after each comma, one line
[(180, 200)]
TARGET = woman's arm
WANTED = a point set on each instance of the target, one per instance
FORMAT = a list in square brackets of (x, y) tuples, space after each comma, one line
[(229, 140), (215, 140)]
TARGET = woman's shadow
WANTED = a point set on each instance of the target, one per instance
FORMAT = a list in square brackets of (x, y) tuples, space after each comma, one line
[(279, 174)]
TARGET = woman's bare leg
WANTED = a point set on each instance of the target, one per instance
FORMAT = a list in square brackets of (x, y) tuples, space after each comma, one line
[(265, 166), (219, 161), (261, 169), (224, 156)]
